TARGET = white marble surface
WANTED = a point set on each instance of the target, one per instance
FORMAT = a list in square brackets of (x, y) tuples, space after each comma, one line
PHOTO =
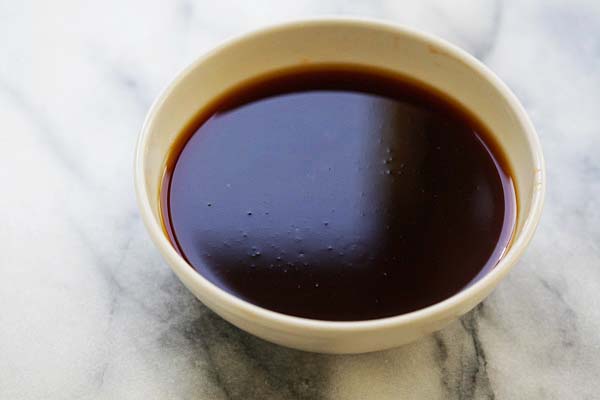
[(88, 310)]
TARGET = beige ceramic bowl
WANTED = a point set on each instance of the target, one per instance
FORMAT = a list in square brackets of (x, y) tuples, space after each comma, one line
[(420, 56)]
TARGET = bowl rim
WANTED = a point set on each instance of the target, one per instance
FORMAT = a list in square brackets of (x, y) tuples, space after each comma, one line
[(246, 309)]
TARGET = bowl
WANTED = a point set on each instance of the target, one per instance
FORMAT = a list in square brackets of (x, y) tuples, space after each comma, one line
[(414, 54)]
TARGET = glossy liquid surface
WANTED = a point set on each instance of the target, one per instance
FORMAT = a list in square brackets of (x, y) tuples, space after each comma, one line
[(338, 194)]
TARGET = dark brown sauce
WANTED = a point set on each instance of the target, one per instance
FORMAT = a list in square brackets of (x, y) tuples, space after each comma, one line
[(338, 193)]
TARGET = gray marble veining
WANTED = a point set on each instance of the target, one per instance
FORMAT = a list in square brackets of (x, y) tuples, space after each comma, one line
[(90, 311)]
